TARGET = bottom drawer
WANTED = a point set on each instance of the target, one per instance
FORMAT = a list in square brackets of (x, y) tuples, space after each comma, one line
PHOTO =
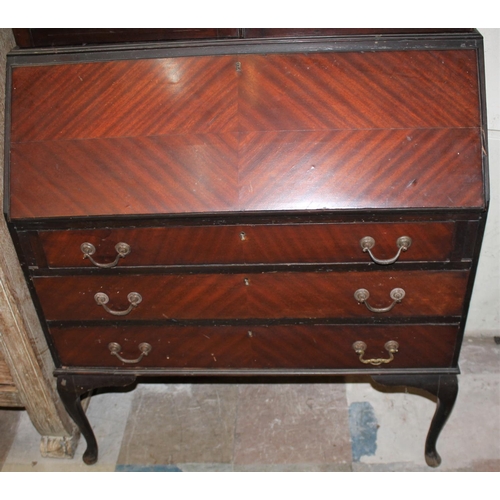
[(255, 347)]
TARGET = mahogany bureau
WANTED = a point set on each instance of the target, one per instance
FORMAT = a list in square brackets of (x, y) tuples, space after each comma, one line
[(264, 206)]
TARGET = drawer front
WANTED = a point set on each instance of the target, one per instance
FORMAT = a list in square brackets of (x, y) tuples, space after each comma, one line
[(259, 295), (250, 244), (257, 347)]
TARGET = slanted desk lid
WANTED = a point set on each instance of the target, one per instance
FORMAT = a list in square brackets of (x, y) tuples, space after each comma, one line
[(254, 132)]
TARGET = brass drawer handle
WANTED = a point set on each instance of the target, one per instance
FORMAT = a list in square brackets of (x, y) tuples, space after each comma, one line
[(122, 249), (133, 297), (391, 347), (115, 348), (367, 243), (362, 295)]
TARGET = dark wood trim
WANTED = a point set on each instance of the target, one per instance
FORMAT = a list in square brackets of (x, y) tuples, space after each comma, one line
[(213, 373), (470, 284), (428, 320), (50, 37), (37, 249), (484, 120), (23, 37), (317, 32), (246, 269), (6, 153), (472, 231), (65, 55), (239, 218), (459, 240), (57, 37), (25, 243)]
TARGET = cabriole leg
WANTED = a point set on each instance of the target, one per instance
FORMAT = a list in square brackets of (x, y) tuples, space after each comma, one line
[(71, 388), (444, 388)]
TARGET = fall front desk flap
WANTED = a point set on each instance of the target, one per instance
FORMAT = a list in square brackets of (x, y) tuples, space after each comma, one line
[(242, 133)]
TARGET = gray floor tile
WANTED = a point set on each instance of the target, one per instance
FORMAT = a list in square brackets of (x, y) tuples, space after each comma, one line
[(394, 428), (292, 424), (391, 467), (294, 468), (480, 355), (472, 433), (9, 422), (205, 467), (475, 466), (180, 423)]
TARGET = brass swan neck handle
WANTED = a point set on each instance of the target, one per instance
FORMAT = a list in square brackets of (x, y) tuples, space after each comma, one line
[(122, 249), (367, 243)]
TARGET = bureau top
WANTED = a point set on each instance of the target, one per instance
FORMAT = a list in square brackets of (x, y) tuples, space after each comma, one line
[(246, 132)]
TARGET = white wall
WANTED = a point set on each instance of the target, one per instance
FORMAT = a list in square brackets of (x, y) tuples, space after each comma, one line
[(484, 315)]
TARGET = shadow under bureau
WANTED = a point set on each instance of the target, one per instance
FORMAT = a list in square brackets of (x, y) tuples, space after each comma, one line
[(267, 206)]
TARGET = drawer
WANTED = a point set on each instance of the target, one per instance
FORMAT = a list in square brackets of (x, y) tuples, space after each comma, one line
[(248, 244), (259, 295), (257, 347)]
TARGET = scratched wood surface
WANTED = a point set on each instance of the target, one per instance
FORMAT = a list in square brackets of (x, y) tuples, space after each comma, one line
[(5, 376), (290, 346), (247, 133), (259, 295), (293, 243)]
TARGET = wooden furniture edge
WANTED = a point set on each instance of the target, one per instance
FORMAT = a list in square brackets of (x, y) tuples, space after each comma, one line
[(22, 342)]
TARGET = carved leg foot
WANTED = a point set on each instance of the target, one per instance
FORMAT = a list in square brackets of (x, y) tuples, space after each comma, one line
[(71, 388), (444, 388)]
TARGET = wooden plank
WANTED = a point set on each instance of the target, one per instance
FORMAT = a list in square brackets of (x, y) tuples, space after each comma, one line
[(5, 376), (9, 396)]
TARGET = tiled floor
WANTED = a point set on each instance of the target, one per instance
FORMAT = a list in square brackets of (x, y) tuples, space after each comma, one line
[(301, 426)]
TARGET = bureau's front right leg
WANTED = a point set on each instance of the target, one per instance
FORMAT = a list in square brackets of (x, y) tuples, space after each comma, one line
[(444, 388), (71, 388)]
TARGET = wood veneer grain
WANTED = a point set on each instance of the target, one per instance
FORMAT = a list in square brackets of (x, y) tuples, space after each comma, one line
[(290, 346), (218, 134), (277, 243), (259, 295)]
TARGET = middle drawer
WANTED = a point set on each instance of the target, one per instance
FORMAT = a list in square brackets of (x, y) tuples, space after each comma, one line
[(257, 295)]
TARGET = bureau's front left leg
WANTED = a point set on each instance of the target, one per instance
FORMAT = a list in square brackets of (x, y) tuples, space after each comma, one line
[(444, 388), (71, 388)]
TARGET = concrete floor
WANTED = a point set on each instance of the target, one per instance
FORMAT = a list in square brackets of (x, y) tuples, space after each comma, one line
[(302, 426)]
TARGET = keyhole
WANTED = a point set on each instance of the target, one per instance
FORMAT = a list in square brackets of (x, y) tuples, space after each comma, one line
[(246, 281), (243, 236)]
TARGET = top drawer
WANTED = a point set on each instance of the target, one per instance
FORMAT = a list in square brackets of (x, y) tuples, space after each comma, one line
[(247, 244)]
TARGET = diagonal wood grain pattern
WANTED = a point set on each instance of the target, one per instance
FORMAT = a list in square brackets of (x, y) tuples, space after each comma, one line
[(296, 243), (124, 99), (246, 133), (259, 295), (132, 175), (415, 89), (285, 346), (380, 168)]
